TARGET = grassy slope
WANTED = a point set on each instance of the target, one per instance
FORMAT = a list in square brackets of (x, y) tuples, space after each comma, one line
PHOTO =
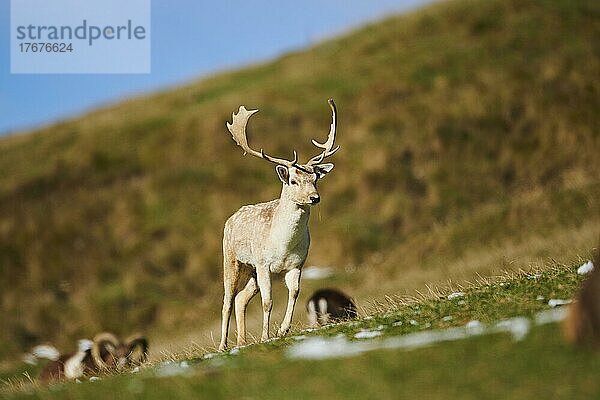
[(484, 367), (469, 134)]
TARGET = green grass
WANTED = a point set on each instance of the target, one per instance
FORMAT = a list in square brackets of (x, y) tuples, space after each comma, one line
[(480, 367), (469, 136)]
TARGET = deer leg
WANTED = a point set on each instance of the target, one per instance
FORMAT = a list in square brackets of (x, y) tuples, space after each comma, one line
[(292, 281), (263, 278), (241, 301), (230, 277)]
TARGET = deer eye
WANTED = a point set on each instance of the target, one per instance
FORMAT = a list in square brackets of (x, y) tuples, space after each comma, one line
[(293, 182)]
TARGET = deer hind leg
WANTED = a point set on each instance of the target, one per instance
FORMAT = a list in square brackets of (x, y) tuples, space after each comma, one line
[(263, 278), (292, 281), (241, 301), (230, 278)]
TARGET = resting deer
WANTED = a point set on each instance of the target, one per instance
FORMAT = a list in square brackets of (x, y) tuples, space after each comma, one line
[(106, 352), (270, 237)]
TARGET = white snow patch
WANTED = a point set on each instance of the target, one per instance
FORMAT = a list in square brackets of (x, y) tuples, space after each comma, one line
[(518, 327), (94, 378), (320, 348), (313, 272), (447, 318), (235, 351), (585, 268), (455, 295), (558, 302), (397, 323), (550, 316), (169, 368), (339, 346), (413, 322), (540, 298), (474, 327), (367, 334), (299, 337), (46, 351)]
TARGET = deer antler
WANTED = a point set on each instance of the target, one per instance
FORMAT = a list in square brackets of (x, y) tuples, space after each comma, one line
[(327, 147), (237, 128)]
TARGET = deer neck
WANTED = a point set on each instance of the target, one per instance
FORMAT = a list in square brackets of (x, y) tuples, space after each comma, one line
[(290, 221)]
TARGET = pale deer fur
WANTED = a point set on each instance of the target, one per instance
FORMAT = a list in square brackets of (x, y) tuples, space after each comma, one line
[(270, 237)]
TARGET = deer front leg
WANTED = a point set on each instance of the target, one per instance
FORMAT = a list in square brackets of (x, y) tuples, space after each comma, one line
[(263, 278), (292, 281), (241, 301)]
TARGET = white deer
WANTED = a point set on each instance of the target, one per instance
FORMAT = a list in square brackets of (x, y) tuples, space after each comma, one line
[(270, 237)]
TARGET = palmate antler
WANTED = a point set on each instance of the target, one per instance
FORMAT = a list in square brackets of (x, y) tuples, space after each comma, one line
[(328, 149), (237, 128)]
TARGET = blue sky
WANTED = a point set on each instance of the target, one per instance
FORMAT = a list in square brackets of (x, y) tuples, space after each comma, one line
[(190, 39)]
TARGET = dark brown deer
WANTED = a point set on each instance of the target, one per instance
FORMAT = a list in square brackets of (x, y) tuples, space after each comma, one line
[(582, 324), (329, 305)]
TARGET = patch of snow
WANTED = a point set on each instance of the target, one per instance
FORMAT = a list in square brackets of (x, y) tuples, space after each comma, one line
[(518, 327), (427, 325), (314, 272), (367, 334), (585, 268), (379, 328), (550, 316), (413, 322), (321, 348), (46, 351), (94, 378), (397, 323), (235, 351), (540, 298), (535, 276), (299, 337), (474, 327), (558, 302), (169, 368), (447, 318), (455, 295), (135, 370), (339, 346), (208, 356)]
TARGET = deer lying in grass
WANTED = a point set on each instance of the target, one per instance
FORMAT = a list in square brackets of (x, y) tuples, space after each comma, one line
[(270, 237), (582, 324), (329, 305), (104, 353)]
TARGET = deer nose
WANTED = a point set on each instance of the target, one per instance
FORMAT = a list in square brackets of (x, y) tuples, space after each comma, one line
[(314, 198)]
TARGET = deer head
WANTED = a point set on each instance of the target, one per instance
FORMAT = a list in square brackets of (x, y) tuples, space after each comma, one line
[(299, 180)]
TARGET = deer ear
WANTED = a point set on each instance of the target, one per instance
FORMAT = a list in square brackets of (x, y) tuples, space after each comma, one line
[(322, 169), (283, 173)]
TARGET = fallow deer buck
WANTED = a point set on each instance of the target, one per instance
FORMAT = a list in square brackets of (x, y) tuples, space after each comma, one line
[(270, 237)]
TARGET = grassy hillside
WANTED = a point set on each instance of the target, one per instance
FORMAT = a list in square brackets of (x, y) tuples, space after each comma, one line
[(515, 351), (470, 140)]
